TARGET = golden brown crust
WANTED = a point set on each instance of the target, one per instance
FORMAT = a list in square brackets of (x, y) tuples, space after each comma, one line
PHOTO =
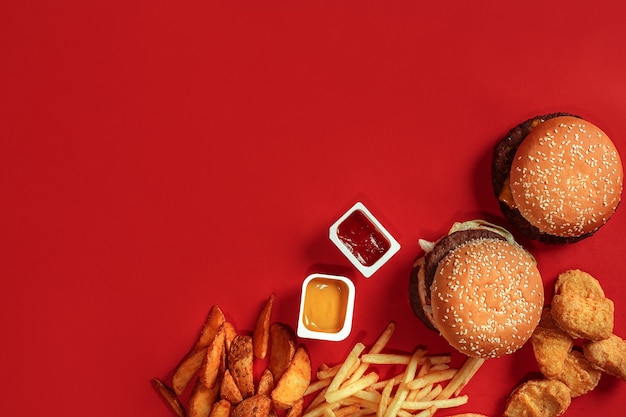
[(566, 177), (551, 345), (584, 318), (578, 374), (578, 282), (580, 308), (487, 297), (608, 355), (538, 398)]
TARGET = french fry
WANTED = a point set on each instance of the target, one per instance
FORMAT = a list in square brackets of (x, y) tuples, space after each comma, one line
[(395, 380), (169, 397), (331, 372), (241, 364), (327, 372), (427, 413), (472, 368), (367, 394), (316, 386), (462, 377), (431, 378), (187, 368), (385, 398), (229, 389), (202, 399), (431, 394), (344, 369), (266, 383), (294, 381), (317, 400), (438, 359), (350, 389), (371, 406), (377, 347), (321, 409), (396, 403), (329, 413), (260, 336), (469, 415), (282, 346), (347, 410), (385, 359), (424, 405)]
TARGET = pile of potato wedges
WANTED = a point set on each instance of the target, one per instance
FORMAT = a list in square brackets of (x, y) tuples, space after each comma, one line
[(219, 371)]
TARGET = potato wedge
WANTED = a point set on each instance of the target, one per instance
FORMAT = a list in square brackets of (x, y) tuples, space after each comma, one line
[(266, 383), (169, 396), (282, 346), (296, 409), (254, 406), (212, 367), (192, 361), (294, 381), (202, 399), (260, 336), (221, 409), (229, 389), (230, 332), (240, 363)]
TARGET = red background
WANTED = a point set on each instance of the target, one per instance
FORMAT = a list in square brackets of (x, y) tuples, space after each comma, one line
[(159, 157)]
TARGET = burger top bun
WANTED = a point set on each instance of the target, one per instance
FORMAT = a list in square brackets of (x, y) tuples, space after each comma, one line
[(487, 297), (566, 177)]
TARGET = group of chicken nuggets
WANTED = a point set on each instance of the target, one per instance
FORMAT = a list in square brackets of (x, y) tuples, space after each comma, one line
[(579, 312)]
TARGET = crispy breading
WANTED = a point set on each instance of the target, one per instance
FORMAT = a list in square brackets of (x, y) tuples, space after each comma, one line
[(538, 398), (578, 374), (580, 317), (609, 355), (578, 282), (550, 345)]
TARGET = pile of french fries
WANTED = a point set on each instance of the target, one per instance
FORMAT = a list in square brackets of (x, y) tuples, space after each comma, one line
[(426, 383), (220, 371)]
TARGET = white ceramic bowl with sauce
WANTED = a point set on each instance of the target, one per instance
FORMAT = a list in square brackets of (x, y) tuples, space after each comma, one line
[(363, 240), (326, 307)]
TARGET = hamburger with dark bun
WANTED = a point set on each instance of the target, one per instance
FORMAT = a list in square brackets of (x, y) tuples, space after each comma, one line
[(558, 178), (478, 288)]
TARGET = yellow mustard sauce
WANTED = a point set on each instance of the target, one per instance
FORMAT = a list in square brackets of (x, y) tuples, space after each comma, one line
[(325, 305)]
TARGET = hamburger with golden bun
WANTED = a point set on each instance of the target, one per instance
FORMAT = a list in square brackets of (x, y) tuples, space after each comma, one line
[(558, 178), (478, 288)]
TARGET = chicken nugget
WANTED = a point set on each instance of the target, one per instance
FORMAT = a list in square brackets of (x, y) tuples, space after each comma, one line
[(588, 318), (579, 283), (609, 355), (578, 374), (550, 345), (538, 398)]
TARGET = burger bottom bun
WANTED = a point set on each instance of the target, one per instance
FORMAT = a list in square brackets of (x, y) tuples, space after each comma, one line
[(487, 298)]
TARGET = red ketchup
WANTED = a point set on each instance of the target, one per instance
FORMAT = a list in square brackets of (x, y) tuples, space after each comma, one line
[(362, 238)]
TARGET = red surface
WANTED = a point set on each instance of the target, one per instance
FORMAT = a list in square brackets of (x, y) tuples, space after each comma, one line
[(160, 157)]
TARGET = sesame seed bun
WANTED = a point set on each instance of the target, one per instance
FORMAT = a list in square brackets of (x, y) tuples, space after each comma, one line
[(566, 177), (487, 297)]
